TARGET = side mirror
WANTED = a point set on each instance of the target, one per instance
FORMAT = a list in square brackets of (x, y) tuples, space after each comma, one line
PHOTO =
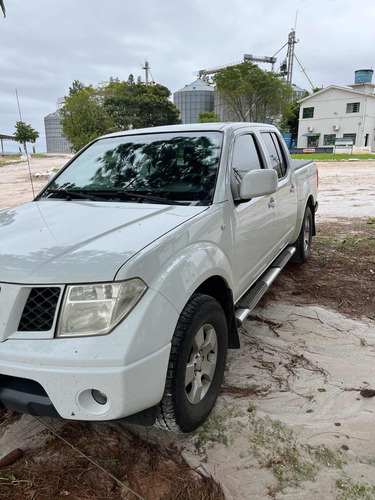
[(260, 182)]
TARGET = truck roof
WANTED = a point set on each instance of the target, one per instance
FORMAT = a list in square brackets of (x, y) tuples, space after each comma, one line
[(190, 127)]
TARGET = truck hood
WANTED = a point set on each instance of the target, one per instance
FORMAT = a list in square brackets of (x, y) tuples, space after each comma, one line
[(58, 241)]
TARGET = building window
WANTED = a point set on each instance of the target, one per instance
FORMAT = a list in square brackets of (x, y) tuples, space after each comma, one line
[(329, 139), (308, 113), (352, 107), (313, 141), (350, 136)]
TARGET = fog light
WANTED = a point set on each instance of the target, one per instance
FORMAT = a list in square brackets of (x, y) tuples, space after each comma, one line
[(99, 396)]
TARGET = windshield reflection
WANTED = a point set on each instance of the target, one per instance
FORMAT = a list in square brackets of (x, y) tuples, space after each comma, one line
[(176, 166)]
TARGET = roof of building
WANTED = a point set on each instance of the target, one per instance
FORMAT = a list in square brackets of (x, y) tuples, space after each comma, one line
[(3, 136), (197, 85), (337, 87), (297, 89), (55, 114)]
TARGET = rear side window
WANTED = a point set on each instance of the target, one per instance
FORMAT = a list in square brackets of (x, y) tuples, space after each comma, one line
[(245, 156), (275, 152)]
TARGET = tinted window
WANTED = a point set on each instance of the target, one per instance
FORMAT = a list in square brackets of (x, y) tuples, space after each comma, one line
[(275, 153), (182, 166), (245, 156)]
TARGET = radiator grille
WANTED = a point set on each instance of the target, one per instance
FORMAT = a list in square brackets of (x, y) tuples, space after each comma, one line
[(39, 310)]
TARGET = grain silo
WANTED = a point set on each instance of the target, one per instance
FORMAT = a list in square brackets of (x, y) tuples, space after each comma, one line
[(56, 142), (193, 98)]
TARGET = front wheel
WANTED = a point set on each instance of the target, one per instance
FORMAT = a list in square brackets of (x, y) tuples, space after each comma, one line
[(196, 365), (303, 243)]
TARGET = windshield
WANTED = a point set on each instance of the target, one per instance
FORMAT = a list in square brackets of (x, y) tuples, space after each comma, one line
[(173, 166)]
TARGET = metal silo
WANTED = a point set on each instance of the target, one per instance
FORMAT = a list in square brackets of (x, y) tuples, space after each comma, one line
[(56, 142), (193, 98)]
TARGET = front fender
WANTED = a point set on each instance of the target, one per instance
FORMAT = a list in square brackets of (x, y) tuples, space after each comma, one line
[(182, 275)]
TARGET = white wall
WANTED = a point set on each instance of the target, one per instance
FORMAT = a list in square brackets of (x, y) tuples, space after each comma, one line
[(330, 110)]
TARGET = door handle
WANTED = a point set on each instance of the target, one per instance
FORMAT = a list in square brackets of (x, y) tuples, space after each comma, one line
[(272, 203), (292, 188)]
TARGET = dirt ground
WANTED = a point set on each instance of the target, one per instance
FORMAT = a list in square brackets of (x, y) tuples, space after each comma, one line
[(296, 414), (15, 183)]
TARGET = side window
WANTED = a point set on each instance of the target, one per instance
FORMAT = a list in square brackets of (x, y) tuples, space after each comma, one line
[(275, 152), (245, 157)]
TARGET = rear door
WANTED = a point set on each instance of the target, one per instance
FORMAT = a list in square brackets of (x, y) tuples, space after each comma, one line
[(254, 221), (286, 196)]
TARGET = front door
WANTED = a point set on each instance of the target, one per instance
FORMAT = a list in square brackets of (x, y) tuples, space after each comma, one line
[(254, 221)]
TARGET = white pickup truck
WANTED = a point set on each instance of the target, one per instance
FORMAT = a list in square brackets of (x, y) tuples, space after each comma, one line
[(123, 284)]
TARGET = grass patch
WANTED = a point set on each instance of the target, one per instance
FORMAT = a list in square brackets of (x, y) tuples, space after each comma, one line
[(340, 273), (348, 490), (218, 428), (273, 444), (9, 159), (276, 448), (332, 157)]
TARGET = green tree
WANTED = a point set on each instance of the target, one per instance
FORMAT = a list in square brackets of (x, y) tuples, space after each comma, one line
[(139, 105), (251, 94), (208, 117), (291, 122), (76, 87), (90, 112), (84, 118), (25, 133)]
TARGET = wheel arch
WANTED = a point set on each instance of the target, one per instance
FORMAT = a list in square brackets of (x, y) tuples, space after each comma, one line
[(217, 288), (300, 215)]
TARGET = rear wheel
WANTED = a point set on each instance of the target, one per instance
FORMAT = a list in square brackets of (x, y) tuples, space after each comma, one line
[(196, 365), (303, 244)]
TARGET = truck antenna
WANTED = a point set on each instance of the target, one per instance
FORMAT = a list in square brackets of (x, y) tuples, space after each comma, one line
[(25, 146)]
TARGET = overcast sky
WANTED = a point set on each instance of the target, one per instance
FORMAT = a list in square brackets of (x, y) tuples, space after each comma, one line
[(46, 44)]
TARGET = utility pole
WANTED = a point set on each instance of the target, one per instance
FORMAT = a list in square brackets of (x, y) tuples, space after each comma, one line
[(290, 56), (146, 67)]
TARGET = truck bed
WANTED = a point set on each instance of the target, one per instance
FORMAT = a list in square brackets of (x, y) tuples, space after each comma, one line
[(297, 164)]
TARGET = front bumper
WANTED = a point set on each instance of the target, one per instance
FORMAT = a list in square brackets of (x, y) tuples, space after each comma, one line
[(128, 365)]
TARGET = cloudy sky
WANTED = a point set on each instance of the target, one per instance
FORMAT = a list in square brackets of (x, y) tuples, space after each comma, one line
[(46, 44)]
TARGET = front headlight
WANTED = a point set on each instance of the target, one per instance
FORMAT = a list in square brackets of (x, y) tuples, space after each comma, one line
[(97, 308)]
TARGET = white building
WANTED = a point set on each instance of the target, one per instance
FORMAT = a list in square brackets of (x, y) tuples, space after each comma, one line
[(339, 115)]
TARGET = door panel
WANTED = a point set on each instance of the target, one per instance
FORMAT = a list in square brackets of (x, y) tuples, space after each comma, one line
[(254, 222), (286, 209), (286, 197), (255, 234)]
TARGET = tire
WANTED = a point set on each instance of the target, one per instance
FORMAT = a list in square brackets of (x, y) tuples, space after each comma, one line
[(196, 365), (303, 243)]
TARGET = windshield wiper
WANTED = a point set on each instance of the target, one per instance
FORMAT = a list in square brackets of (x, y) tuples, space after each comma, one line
[(70, 193), (147, 197), (110, 195)]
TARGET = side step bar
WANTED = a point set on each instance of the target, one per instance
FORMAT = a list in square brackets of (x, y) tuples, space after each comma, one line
[(256, 292)]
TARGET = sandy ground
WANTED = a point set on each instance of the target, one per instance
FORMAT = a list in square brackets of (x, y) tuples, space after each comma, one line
[(15, 184), (291, 422), (346, 189)]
